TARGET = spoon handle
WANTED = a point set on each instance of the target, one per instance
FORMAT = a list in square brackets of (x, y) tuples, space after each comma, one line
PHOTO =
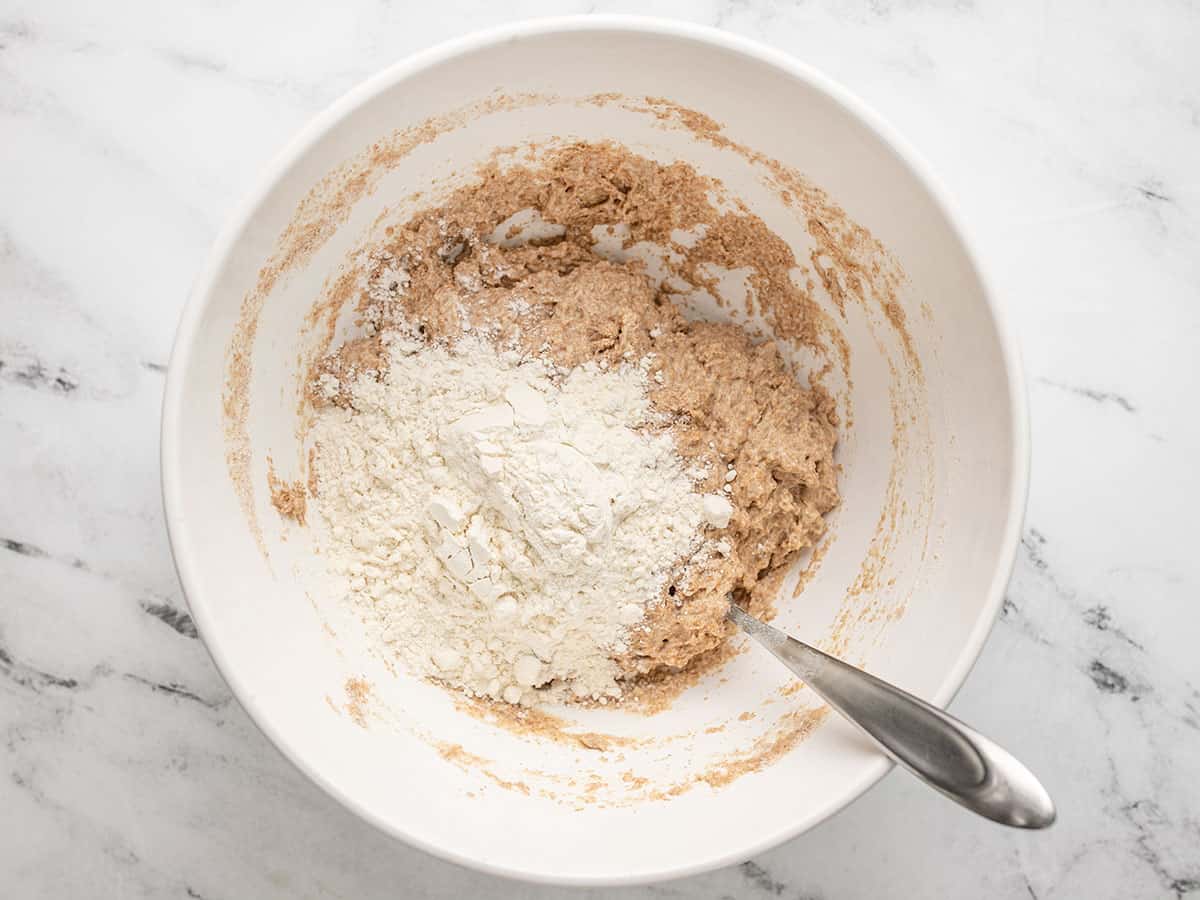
[(936, 747)]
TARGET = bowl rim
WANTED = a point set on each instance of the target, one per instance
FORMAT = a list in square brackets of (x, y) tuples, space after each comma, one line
[(180, 541)]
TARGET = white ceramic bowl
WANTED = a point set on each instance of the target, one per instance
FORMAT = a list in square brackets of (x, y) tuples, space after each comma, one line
[(934, 468)]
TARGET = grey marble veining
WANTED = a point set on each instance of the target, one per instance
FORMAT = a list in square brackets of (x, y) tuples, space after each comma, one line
[(1069, 134)]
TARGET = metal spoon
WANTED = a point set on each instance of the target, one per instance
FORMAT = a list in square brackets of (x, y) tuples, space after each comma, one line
[(934, 746)]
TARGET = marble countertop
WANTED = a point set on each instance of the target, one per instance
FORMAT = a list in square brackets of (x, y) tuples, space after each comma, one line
[(1070, 137)]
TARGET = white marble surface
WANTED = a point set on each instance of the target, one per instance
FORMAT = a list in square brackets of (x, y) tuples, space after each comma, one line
[(1070, 133)]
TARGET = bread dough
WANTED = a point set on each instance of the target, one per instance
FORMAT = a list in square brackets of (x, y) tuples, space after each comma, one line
[(515, 255)]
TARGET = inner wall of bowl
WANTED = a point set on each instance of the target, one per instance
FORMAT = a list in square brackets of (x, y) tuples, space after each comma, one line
[(399, 750), (706, 733)]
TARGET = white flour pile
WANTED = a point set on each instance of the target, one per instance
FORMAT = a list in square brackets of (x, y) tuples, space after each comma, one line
[(507, 521)]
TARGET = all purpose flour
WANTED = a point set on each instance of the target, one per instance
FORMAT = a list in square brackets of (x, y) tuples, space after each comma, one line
[(506, 521)]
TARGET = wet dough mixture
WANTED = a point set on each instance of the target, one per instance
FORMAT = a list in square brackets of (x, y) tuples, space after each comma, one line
[(516, 254)]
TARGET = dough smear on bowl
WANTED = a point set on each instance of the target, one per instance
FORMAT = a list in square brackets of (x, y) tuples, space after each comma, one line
[(539, 474)]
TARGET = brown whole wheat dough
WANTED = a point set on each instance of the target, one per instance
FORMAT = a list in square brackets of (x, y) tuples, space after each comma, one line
[(732, 405)]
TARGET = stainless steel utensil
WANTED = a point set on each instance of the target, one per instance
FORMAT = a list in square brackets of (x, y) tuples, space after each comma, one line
[(936, 747)]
